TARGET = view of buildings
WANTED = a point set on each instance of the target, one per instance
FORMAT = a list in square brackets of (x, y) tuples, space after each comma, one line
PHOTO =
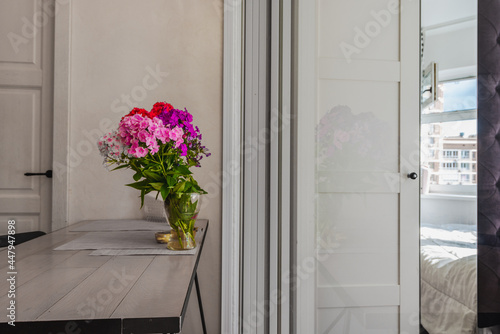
[(450, 160)]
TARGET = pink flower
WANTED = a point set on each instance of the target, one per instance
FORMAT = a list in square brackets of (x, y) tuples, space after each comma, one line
[(111, 146), (178, 142), (143, 136), (163, 134), (138, 128), (176, 134), (153, 147), (141, 152)]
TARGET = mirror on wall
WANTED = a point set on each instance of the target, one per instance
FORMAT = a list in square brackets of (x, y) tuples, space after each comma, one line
[(448, 196)]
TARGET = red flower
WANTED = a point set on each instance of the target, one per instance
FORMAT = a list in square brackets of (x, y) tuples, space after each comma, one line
[(159, 107), (139, 111)]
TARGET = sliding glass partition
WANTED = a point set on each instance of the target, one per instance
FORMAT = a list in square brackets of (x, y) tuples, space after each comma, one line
[(357, 177)]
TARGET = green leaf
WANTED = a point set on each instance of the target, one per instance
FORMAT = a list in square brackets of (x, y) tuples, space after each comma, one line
[(188, 187), (152, 175), (120, 167), (180, 187), (183, 170), (157, 185), (164, 191), (170, 181), (137, 176), (143, 192), (144, 184)]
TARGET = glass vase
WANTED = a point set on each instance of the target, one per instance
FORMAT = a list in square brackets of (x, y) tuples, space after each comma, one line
[(181, 211)]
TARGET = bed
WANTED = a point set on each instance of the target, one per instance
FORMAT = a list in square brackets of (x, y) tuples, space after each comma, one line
[(448, 279)]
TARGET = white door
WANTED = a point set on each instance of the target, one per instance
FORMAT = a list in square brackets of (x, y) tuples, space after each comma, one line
[(26, 57), (358, 139)]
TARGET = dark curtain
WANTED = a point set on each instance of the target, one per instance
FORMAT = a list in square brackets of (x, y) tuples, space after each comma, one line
[(488, 122)]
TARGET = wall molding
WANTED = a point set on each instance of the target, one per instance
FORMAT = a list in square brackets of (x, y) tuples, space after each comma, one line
[(62, 107)]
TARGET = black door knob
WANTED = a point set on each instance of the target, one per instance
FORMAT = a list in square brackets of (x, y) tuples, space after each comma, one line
[(47, 174), (412, 176)]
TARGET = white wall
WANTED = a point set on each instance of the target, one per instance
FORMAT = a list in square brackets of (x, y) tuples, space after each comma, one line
[(446, 46), (116, 44), (440, 11), (437, 209), (448, 26)]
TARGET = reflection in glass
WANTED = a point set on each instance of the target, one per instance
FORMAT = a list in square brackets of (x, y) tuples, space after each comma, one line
[(449, 155), (448, 215), (459, 94), (448, 226)]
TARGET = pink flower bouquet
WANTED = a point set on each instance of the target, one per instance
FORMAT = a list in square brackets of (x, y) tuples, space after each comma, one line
[(160, 146)]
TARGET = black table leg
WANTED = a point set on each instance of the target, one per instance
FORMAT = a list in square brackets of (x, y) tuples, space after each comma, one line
[(200, 304)]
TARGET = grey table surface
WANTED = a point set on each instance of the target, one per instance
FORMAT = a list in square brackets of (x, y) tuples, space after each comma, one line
[(73, 290)]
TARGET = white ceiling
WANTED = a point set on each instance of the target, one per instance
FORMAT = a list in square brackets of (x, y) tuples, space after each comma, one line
[(442, 11)]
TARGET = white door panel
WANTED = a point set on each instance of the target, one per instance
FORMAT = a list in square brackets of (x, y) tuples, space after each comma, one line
[(358, 105), (26, 57), (20, 41), (350, 20)]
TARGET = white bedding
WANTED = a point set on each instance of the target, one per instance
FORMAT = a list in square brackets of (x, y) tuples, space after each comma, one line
[(448, 279)]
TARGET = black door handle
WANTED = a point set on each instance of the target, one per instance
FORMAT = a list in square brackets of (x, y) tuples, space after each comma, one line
[(47, 174), (412, 176)]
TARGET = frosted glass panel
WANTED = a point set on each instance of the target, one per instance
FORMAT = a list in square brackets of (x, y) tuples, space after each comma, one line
[(344, 227), (354, 132), (358, 320), (362, 268), (364, 29)]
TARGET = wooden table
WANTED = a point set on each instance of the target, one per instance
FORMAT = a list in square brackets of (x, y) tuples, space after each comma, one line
[(76, 293)]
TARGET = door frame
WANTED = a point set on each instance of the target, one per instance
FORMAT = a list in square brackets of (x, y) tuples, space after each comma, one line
[(409, 216), (241, 248), (231, 164), (62, 100)]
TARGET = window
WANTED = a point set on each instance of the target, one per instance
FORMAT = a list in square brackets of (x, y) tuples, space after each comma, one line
[(459, 95), (449, 136), (450, 154), (450, 165)]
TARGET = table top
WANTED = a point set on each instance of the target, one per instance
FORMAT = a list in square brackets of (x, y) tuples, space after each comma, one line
[(64, 291)]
